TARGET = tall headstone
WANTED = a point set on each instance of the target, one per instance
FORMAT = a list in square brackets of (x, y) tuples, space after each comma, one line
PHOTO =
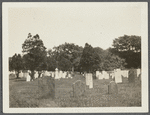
[(60, 74), (53, 74), (36, 75), (89, 80), (118, 77), (86, 79), (28, 77), (56, 74)]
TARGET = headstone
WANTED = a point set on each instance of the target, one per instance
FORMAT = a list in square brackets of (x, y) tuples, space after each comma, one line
[(105, 75), (25, 74), (56, 74), (78, 88), (21, 74), (53, 74), (86, 79), (63, 75), (28, 77), (100, 75), (60, 74), (69, 75), (118, 77), (112, 88), (132, 75), (124, 73), (90, 80), (36, 75)]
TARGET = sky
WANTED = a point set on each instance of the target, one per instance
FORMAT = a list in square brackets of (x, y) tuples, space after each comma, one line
[(97, 24)]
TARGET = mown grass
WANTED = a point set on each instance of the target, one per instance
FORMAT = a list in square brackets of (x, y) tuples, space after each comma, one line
[(26, 94)]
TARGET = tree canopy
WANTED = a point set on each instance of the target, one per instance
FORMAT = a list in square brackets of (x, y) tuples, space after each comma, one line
[(128, 48), (34, 53)]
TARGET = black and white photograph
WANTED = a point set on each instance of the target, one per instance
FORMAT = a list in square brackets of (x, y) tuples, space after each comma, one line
[(75, 57)]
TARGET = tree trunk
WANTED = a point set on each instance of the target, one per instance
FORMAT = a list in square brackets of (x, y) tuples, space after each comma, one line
[(39, 74), (17, 75)]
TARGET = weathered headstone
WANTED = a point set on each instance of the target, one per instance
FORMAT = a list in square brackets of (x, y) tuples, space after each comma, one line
[(118, 77), (132, 75), (112, 88), (46, 87), (28, 77), (78, 88)]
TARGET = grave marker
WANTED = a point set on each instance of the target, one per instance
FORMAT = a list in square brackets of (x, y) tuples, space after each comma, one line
[(78, 88), (118, 77), (112, 88)]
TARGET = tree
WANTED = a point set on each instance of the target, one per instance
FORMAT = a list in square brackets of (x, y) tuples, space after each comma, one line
[(129, 48), (90, 60), (15, 64), (34, 53), (66, 56)]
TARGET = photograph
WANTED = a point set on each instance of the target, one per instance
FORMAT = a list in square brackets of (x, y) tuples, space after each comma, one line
[(75, 57)]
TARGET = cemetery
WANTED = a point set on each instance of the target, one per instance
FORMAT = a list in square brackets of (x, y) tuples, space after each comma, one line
[(72, 76), (62, 89)]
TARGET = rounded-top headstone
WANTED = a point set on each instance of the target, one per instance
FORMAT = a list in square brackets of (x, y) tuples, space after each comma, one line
[(112, 88), (56, 69)]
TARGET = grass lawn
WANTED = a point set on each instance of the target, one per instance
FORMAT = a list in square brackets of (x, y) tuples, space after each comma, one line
[(26, 94)]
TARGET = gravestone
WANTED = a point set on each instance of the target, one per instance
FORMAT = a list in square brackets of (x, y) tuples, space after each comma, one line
[(21, 74), (100, 76), (25, 74), (28, 77), (36, 75), (64, 74), (105, 75), (69, 75), (53, 74), (124, 73), (112, 88), (60, 74), (118, 77), (86, 79), (56, 74), (78, 88), (90, 80), (132, 75), (46, 87)]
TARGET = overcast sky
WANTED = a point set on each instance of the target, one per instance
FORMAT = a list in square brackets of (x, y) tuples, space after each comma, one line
[(95, 23)]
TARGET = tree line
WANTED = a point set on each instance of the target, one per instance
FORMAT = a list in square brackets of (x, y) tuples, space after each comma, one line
[(124, 53)]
